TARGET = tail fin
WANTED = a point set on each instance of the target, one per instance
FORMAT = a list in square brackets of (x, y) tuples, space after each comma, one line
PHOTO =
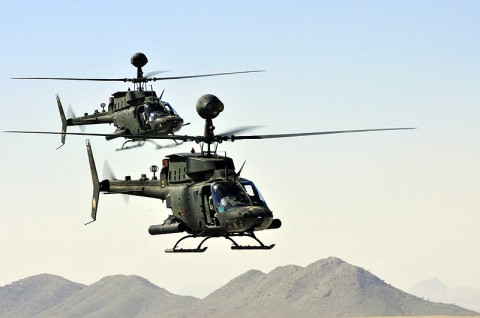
[(96, 184), (64, 121)]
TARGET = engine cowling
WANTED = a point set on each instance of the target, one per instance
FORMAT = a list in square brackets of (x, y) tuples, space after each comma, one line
[(209, 106)]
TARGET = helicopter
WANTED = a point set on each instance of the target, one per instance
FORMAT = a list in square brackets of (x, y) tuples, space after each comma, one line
[(135, 113), (207, 196)]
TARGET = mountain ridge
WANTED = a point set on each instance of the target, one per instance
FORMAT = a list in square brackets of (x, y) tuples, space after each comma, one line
[(326, 288), (435, 290), (35, 294)]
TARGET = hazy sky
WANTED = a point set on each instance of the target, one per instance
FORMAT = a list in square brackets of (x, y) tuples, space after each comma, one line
[(404, 205)]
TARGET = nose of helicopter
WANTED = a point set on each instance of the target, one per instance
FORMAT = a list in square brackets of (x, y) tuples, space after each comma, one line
[(246, 218), (168, 123)]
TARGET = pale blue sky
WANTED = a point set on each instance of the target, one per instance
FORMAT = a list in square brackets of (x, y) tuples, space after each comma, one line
[(404, 205)]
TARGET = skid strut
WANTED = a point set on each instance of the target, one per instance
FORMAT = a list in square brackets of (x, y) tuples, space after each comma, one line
[(235, 245)]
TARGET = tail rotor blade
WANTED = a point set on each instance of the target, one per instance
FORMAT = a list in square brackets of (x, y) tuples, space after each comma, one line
[(71, 114), (109, 174), (108, 171)]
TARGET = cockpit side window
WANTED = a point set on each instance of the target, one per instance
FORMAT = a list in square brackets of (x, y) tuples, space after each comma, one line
[(254, 194), (227, 194), (170, 109)]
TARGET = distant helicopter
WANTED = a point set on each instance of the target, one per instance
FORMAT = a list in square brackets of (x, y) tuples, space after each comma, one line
[(208, 198), (136, 113)]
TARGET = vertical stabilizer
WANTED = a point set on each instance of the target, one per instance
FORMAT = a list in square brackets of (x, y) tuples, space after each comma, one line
[(64, 120), (96, 184)]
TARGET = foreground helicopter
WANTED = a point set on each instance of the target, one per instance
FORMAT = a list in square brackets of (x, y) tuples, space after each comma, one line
[(208, 198), (136, 113)]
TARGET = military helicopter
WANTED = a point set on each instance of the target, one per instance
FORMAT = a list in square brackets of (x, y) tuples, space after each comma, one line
[(135, 113), (206, 195)]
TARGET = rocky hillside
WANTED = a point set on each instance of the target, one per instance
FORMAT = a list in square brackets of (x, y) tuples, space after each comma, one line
[(326, 288), (33, 295), (113, 296), (118, 296)]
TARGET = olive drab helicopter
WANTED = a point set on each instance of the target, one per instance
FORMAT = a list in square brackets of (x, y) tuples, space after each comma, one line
[(135, 113), (208, 198)]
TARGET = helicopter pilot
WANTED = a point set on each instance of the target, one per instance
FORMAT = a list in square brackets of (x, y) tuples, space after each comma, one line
[(154, 111), (227, 195)]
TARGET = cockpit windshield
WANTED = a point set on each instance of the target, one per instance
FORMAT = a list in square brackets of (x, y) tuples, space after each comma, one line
[(156, 110), (227, 195)]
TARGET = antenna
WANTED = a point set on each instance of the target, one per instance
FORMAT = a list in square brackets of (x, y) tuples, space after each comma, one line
[(240, 171), (154, 168), (225, 163)]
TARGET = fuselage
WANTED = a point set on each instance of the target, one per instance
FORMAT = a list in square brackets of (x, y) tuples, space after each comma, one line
[(204, 194), (136, 114)]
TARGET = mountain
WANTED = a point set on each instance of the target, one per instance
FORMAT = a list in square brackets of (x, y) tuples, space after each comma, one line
[(118, 296), (326, 288), (35, 294), (113, 296), (435, 290)]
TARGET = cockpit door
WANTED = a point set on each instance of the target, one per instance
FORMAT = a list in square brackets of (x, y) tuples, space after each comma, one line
[(208, 209), (142, 118)]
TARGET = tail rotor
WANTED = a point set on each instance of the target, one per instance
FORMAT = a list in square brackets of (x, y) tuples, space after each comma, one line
[(71, 114)]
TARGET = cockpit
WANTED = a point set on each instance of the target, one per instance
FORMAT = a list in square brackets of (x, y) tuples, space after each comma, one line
[(155, 110), (228, 194)]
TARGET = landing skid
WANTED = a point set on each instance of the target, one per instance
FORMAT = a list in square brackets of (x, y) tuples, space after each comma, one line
[(235, 245), (137, 144)]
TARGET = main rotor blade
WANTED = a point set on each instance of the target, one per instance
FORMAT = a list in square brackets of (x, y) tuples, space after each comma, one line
[(76, 79), (202, 75), (153, 73), (307, 134), (239, 130), (133, 137), (217, 138), (135, 80)]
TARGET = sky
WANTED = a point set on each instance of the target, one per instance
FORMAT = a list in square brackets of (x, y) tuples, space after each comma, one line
[(403, 204)]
